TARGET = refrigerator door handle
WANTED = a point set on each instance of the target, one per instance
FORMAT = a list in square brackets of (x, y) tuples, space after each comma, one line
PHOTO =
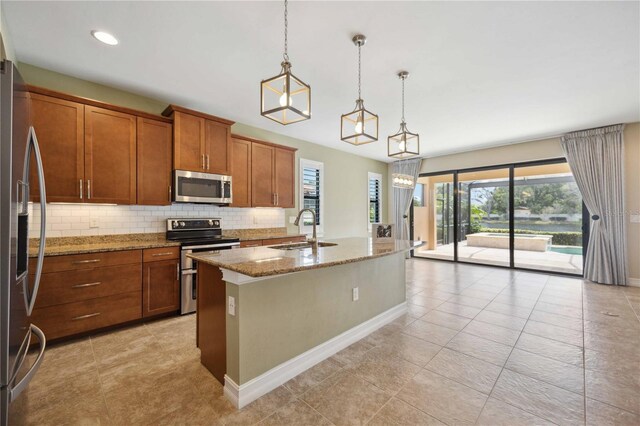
[(30, 296), (22, 384)]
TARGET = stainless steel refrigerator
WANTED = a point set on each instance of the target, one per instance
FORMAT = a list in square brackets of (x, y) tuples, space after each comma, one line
[(19, 155)]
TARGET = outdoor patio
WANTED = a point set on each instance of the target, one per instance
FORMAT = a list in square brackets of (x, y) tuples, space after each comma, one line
[(549, 261)]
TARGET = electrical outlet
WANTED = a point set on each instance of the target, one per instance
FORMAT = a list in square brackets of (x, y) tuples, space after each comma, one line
[(93, 223), (635, 218), (232, 306), (356, 294)]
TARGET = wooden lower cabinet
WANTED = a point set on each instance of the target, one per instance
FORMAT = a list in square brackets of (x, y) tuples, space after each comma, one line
[(160, 287), (250, 243), (79, 317), (287, 240), (212, 320)]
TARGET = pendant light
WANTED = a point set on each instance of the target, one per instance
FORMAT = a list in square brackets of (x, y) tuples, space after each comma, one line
[(359, 126), (285, 98), (403, 144)]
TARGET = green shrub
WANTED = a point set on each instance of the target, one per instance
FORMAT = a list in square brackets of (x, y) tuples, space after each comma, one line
[(559, 238)]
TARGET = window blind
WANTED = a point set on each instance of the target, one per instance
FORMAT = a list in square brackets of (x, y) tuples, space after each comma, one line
[(311, 193), (374, 200)]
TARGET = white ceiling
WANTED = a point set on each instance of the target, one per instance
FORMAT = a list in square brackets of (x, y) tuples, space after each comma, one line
[(482, 73)]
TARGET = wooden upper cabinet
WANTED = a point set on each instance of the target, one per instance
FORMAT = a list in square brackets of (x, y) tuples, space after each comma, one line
[(110, 156), (59, 126), (202, 142), (241, 172), (284, 178), (189, 148), (154, 151), (262, 175), (217, 143)]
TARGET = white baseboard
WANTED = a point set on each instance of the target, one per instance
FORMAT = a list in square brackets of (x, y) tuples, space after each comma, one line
[(248, 392), (633, 282)]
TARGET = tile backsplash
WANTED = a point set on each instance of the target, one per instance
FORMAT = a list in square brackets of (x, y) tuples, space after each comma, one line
[(68, 220)]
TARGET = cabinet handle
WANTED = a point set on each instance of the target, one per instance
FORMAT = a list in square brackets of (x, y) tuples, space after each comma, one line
[(178, 271), (88, 189), (166, 253), (81, 191), (208, 162), (86, 285), (277, 199), (169, 193), (203, 161), (79, 262), (81, 317)]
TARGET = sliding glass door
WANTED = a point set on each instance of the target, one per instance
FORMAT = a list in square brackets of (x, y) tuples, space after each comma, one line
[(527, 216), (483, 217)]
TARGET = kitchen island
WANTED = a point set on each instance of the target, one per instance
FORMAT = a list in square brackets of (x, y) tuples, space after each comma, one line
[(266, 314)]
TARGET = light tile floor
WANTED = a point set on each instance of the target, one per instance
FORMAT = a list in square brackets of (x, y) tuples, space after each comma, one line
[(479, 345)]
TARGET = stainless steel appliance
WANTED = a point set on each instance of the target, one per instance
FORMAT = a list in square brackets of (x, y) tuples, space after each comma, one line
[(195, 187), (196, 235), (19, 154)]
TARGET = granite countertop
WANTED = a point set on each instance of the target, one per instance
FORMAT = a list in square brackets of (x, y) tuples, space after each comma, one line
[(100, 243), (259, 234), (265, 261)]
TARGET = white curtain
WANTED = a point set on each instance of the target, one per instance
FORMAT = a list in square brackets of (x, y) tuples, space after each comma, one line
[(596, 158), (402, 197)]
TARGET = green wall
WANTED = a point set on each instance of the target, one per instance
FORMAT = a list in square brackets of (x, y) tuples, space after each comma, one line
[(345, 186)]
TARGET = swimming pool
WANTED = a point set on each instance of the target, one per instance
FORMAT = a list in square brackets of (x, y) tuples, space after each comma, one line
[(567, 249)]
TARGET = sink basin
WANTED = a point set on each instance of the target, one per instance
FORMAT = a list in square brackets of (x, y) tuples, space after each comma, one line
[(300, 246)]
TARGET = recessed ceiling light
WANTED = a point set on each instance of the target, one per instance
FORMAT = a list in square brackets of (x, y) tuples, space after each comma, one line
[(106, 38)]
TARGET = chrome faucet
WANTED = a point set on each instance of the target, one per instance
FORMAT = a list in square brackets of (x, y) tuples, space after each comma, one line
[(314, 238)]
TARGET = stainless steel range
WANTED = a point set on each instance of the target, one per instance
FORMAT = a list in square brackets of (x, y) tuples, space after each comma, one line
[(196, 235)]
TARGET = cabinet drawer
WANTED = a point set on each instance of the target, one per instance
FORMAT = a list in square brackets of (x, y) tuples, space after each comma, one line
[(251, 243), (90, 260), (73, 318), (57, 288), (161, 253), (287, 240)]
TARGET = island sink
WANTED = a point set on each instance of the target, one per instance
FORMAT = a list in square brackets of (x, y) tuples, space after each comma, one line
[(300, 246)]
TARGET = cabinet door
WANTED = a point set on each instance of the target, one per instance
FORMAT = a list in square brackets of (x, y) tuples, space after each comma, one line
[(217, 142), (189, 149), (241, 172), (160, 287), (59, 126), (285, 172), (154, 162), (262, 185), (110, 156)]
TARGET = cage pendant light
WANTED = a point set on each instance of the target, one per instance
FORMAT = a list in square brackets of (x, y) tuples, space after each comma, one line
[(403, 144), (359, 126), (285, 98)]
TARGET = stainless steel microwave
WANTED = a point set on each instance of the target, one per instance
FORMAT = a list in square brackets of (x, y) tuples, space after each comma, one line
[(195, 187)]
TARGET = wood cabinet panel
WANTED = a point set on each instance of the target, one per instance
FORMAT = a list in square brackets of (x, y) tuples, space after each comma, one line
[(287, 240), (285, 172), (189, 148), (90, 260), (262, 175), (154, 160), (59, 126), (252, 243), (78, 317), (211, 320), (217, 143), (241, 172), (110, 156), (57, 288), (160, 287), (160, 253)]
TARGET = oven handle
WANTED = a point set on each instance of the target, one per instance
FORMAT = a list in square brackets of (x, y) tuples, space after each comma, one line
[(210, 246)]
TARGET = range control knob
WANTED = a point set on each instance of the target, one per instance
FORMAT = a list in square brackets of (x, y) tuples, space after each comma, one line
[(181, 224), (210, 222), (174, 224)]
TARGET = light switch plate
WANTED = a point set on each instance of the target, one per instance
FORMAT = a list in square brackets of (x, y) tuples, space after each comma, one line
[(93, 223), (356, 294), (635, 218), (232, 306)]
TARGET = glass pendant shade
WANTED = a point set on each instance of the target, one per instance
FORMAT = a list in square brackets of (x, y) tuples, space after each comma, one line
[(359, 126), (403, 144), (285, 98), (402, 181)]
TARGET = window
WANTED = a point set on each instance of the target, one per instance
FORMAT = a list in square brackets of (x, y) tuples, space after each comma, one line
[(375, 197), (311, 194)]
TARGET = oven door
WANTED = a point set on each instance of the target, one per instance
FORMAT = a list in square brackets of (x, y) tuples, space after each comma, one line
[(189, 278), (195, 187)]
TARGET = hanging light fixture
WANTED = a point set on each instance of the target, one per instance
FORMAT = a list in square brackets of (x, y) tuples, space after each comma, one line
[(403, 144), (359, 126), (402, 181), (285, 98)]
